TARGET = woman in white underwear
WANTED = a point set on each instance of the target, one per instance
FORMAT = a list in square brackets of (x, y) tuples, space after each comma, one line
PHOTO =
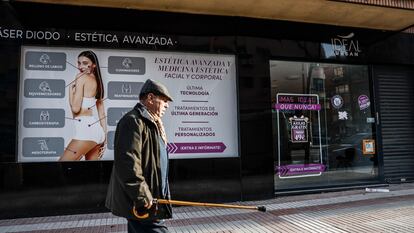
[(86, 96)]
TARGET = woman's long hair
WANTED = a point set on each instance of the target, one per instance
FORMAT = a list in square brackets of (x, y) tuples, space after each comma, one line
[(97, 72)]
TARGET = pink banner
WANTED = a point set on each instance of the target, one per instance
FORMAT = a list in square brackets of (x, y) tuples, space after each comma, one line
[(196, 147), (299, 169), (311, 107)]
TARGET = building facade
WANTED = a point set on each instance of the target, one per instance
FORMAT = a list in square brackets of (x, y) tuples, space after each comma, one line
[(261, 107)]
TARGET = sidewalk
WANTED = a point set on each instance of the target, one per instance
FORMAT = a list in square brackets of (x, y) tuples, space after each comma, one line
[(346, 211)]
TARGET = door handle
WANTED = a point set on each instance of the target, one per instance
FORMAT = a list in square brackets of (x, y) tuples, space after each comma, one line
[(377, 116)]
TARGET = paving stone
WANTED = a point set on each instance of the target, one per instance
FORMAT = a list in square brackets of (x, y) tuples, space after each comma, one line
[(341, 212)]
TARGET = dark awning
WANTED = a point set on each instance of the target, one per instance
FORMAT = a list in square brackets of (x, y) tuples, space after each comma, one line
[(341, 13)]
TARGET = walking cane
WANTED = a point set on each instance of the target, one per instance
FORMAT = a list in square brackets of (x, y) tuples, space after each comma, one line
[(140, 215)]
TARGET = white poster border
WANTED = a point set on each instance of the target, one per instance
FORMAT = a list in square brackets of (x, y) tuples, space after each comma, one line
[(231, 109), (278, 136)]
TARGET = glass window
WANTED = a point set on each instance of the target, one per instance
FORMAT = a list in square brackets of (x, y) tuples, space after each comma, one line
[(322, 124)]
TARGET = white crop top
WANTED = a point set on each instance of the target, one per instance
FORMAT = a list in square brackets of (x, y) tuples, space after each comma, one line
[(88, 102)]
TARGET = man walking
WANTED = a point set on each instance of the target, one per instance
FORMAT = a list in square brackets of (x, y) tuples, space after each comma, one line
[(139, 173)]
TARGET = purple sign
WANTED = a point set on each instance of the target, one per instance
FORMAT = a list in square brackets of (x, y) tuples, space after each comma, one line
[(363, 102), (311, 107), (299, 169), (196, 147), (299, 129), (297, 102)]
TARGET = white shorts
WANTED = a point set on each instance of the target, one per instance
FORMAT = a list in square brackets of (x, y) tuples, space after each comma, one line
[(89, 128)]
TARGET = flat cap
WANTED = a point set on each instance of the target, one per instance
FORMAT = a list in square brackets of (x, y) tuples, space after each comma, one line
[(151, 86)]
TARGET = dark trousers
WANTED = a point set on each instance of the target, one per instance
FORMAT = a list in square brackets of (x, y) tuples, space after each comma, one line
[(147, 227)]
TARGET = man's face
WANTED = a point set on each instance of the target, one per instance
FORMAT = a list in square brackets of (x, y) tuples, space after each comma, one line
[(157, 104)]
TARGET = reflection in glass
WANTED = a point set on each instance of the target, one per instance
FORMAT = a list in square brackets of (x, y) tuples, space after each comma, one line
[(331, 139)]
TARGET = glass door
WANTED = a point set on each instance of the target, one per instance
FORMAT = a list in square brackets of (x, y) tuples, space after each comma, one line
[(323, 125)]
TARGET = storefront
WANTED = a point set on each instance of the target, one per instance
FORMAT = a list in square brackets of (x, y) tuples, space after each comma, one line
[(260, 107)]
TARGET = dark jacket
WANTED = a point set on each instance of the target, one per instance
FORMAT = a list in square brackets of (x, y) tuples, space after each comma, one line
[(136, 172)]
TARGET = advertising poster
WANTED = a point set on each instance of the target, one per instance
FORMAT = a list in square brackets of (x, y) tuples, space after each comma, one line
[(201, 122), (298, 120), (368, 146)]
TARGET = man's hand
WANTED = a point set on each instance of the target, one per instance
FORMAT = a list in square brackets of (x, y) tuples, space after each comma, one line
[(148, 205)]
